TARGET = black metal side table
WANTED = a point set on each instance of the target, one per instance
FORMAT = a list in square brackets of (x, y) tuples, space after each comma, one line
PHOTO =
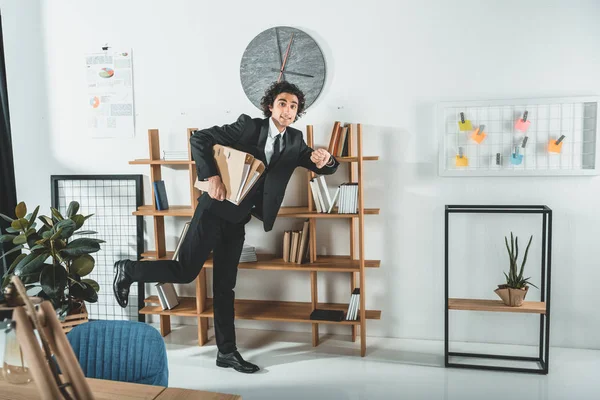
[(533, 307)]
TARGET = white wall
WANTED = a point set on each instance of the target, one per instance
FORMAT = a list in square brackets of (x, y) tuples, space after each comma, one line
[(388, 65)]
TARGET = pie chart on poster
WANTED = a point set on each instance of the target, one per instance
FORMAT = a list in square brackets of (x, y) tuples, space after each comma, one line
[(106, 72), (95, 102)]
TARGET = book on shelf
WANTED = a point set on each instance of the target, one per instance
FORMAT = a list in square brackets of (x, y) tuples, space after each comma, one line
[(327, 315), (160, 195), (353, 305), (175, 155), (167, 296), (248, 254), (338, 142), (239, 172), (295, 245), (184, 231), (348, 198)]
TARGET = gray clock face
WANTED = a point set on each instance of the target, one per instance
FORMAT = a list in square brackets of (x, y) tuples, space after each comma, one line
[(265, 57)]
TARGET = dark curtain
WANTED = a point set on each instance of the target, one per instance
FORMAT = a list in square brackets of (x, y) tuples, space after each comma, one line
[(8, 190)]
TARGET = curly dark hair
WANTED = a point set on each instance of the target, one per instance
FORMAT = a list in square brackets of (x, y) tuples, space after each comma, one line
[(276, 89)]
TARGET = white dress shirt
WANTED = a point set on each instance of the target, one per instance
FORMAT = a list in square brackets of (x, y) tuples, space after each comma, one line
[(273, 133)]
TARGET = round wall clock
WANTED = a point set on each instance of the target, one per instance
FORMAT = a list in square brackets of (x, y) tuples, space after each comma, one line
[(282, 53)]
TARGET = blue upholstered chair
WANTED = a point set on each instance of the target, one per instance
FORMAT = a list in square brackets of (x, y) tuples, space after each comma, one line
[(123, 351)]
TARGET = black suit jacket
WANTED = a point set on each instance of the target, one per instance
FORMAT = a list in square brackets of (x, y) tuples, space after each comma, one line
[(250, 135)]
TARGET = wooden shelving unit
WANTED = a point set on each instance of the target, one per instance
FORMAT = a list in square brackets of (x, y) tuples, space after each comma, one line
[(355, 263)]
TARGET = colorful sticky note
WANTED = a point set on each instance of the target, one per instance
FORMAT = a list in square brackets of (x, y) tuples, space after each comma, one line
[(553, 147), (522, 125), (516, 159), (478, 135), (465, 126), (462, 161)]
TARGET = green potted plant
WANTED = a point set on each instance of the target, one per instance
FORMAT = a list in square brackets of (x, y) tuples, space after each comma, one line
[(515, 289), (51, 258)]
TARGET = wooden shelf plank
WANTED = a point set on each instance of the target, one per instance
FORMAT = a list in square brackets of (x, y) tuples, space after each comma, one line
[(303, 212), (530, 307), (355, 159), (173, 211), (190, 162), (323, 264), (259, 310), (151, 256), (161, 162), (186, 307), (271, 262)]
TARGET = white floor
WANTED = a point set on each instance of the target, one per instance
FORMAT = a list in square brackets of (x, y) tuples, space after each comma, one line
[(392, 369)]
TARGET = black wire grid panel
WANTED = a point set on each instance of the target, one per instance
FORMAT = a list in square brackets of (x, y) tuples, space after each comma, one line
[(544, 329), (112, 199)]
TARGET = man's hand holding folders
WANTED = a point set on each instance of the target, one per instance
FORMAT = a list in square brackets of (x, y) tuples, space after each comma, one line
[(238, 172)]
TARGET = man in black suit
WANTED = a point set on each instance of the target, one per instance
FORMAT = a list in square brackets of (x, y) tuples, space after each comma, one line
[(218, 225)]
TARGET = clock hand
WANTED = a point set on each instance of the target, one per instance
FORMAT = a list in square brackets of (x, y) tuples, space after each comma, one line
[(287, 52), (292, 73), (278, 46)]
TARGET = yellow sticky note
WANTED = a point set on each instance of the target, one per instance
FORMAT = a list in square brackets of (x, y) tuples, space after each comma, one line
[(478, 136), (462, 161), (553, 147), (465, 126)]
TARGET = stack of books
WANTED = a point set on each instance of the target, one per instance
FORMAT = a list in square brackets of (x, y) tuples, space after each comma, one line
[(338, 143), (295, 245), (175, 155), (348, 198), (353, 306), (239, 171), (248, 254)]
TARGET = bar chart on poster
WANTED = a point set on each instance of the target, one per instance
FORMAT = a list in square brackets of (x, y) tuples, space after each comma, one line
[(518, 137)]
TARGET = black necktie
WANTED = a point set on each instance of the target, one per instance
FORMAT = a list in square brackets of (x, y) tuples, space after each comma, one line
[(276, 150)]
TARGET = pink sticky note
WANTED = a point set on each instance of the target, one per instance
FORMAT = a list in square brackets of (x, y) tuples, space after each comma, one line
[(521, 125)]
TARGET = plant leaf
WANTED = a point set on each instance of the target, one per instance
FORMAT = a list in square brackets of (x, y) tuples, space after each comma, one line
[(19, 224), (67, 228), (21, 239), (83, 265), (83, 291), (33, 217), (17, 248), (6, 218), (72, 209), (21, 210), (85, 233), (14, 263), (81, 246), (46, 221), (92, 283), (79, 220), (56, 214), (10, 229), (7, 238), (53, 280), (31, 264), (525, 257)]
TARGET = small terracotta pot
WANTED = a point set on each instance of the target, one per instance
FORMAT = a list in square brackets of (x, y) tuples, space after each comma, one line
[(512, 297)]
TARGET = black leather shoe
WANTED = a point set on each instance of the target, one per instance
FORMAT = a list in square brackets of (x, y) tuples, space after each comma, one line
[(121, 283), (234, 360)]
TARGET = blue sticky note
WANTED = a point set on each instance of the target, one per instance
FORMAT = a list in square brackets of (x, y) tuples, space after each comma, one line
[(516, 159)]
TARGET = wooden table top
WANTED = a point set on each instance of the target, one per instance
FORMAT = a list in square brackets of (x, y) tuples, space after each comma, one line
[(112, 390)]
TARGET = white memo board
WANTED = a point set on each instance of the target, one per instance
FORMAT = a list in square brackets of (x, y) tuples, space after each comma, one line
[(574, 117)]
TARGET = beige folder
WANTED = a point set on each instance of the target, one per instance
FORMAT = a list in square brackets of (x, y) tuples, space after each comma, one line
[(234, 167)]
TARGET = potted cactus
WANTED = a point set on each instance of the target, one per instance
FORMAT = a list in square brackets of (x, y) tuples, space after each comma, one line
[(515, 289), (55, 260)]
